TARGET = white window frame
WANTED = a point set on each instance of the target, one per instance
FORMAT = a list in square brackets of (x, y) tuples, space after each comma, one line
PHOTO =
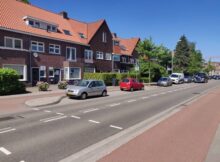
[(24, 70), (67, 73), (72, 48), (124, 59), (107, 56), (104, 37), (54, 48), (13, 42), (99, 55), (42, 68), (88, 59), (38, 46), (132, 61)]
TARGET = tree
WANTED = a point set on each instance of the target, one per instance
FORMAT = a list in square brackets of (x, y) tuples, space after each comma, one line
[(195, 60), (26, 1), (182, 55)]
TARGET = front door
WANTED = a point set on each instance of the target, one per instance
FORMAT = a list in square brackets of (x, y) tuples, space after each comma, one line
[(56, 76), (35, 76)]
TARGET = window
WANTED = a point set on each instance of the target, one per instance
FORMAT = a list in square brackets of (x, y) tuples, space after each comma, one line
[(116, 58), (82, 35), (71, 54), (37, 24), (72, 73), (37, 46), (132, 61), (124, 59), (42, 71), (116, 43), (51, 72), (54, 49), (31, 22), (21, 69), (13, 43), (99, 55), (88, 55), (104, 37), (108, 56), (67, 32)]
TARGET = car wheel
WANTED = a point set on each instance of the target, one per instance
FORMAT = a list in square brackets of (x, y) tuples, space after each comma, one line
[(104, 93), (132, 89), (122, 89), (83, 96)]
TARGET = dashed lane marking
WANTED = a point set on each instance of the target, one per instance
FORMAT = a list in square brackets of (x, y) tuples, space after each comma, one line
[(5, 130), (116, 127), (75, 117), (54, 119), (93, 121), (131, 101), (90, 110), (146, 97), (35, 109), (50, 118), (5, 151), (116, 104), (47, 111), (60, 113)]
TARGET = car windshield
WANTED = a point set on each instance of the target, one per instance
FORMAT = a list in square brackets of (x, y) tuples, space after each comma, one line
[(174, 76), (200, 74), (83, 83), (163, 79), (125, 80)]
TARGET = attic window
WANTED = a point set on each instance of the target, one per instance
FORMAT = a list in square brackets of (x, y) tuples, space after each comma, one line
[(123, 47), (67, 32), (116, 43), (82, 35)]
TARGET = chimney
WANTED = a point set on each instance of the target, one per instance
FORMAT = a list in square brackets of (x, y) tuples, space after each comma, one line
[(64, 14)]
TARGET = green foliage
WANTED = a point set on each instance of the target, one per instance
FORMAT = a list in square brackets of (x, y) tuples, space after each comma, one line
[(109, 77), (62, 85), (26, 1), (182, 55), (9, 83), (43, 86)]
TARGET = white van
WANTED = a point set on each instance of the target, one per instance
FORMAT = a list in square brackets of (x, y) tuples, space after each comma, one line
[(177, 78)]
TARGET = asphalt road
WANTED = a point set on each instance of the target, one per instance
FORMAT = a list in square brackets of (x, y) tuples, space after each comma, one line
[(53, 133)]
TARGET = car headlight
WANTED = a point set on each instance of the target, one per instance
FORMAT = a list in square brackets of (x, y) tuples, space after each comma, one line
[(75, 91)]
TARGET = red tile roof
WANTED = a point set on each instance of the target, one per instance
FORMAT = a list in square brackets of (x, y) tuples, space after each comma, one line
[(127, 46), (12, 13)]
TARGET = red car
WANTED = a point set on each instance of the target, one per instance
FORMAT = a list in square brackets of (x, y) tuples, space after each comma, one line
[(131, 84)]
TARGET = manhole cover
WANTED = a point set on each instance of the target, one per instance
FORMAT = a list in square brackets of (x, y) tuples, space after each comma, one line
[(6, 118)]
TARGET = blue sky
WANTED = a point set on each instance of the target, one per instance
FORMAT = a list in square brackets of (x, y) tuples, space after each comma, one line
[(164, 20)]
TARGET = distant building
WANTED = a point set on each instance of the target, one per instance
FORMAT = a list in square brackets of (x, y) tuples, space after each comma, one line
[(217, 68)]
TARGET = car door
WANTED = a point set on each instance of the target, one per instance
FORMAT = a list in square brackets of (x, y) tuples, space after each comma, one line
[(91, 89)]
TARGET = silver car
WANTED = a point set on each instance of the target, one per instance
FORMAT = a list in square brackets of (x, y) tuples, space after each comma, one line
[(87, 88)]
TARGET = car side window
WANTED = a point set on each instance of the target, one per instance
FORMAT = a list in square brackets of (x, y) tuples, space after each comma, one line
[(92, 84)]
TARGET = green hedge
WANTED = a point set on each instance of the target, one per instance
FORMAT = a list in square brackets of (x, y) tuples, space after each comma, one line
[(9, 83), (108, 77)]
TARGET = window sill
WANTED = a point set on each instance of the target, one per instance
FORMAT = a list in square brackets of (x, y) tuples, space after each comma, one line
[(14, 49), (89, 61)]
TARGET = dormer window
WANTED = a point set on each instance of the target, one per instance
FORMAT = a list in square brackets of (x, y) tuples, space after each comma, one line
[(82, 35), (41, 24), (116, 43), (67, 32)]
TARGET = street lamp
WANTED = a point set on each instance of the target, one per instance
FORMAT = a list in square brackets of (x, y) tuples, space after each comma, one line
[(173, 53)]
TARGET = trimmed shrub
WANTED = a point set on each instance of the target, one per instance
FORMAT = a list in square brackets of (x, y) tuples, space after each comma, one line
[(62, 85), (144, 79), (43, 86), (9, 82)]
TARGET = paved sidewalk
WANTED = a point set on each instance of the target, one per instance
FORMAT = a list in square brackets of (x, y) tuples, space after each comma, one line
[(184, 137)]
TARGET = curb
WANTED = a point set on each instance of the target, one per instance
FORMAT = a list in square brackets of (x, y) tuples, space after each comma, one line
[(29, 103)]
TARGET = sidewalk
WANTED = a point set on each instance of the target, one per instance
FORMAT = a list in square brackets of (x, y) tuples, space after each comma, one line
[(184, 137)]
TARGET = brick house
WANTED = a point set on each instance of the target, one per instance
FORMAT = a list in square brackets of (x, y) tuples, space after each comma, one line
[(45, 46), (124, 53)]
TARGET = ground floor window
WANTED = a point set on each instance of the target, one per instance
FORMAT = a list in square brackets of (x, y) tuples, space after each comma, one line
[(72, 73), (51, 72), (43, 72), (21, 69), (89, 70)]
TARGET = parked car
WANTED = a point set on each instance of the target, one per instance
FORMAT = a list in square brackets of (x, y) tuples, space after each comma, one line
[(165, 81), (188, 79), (201, 78), (87, 88), (177, 78), (131, 84)]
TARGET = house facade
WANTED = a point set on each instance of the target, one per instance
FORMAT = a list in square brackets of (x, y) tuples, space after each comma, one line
[(46, 46)]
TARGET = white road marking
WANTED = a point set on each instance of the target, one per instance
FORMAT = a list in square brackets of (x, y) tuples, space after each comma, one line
[(5, 151), (59, 113), (131, 101), (145, 97), (22, 161), (50, 118), (93, 121), (47, 111), (76, 117), (54, 119), (163, 93), (154, 95), (116, 127), (90, 110), (5, 130), (35, 109), (116, 104)]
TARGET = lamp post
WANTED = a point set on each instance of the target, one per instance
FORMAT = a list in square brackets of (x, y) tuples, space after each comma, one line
[(173, 53)]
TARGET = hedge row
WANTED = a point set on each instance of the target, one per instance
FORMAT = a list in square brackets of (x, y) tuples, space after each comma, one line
[(109, 78), (9, 82)]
